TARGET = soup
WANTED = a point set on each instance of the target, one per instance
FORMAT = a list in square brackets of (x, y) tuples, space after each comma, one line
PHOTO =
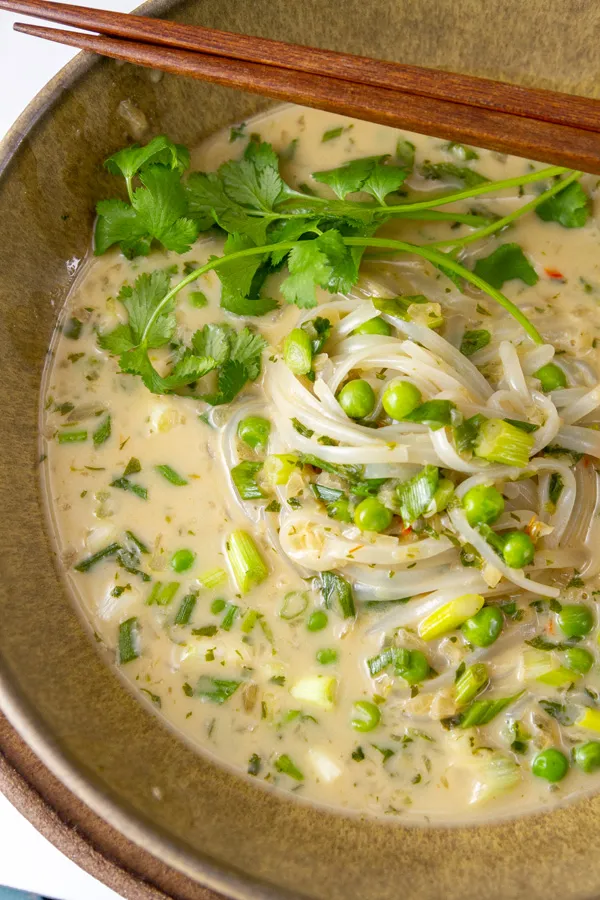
[(332, 505)]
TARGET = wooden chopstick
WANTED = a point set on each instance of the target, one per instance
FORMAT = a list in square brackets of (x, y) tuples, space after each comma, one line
[(531, 103), (534, 139)]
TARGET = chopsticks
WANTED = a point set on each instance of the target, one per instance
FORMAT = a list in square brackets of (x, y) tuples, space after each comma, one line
[(533, 123)]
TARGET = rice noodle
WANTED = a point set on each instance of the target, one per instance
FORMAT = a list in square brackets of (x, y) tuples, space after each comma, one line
[(516, 576), (513, 373), (582, 407)]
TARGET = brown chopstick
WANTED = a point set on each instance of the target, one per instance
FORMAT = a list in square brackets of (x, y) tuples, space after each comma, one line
[(530, 103), (534, 139)]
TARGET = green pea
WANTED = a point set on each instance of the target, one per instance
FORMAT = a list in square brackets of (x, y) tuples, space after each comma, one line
[(254, 432), (327, 656), (339, 510), (484, 627), (357, 398), (366, 716), (317, 620), (550, 764), (371, 515), (575, 620), (587, 756), (577, 659), (483, 505), (297, 352), (400, 399), (417, 670), (551, 377), (518, 549), (182, 560), (374, 326), (218, 605)]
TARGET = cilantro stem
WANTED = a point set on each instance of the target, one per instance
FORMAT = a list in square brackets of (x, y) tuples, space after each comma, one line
[(511, 217), (434, 256), (445, 261), (487, 188)]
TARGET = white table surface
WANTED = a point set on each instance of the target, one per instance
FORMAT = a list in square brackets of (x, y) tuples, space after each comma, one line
[(27, 860)]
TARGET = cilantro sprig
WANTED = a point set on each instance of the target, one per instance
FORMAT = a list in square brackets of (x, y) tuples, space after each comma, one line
[(269, 225)]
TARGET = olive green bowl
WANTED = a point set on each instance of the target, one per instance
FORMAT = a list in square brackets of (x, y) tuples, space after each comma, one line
[(191, 815)]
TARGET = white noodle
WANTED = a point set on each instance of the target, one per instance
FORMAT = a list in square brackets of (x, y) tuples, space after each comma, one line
[(513, 373), (582, 407)]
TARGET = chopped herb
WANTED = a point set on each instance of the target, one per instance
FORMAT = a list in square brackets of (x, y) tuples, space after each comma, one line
[(274, 506), (386, 752), (125, 484), (570, 207), (205, 631), (86, 564), (285, 765), (358, 754), (434, 413), (215, 690), (128, 645), (153, 697), (506, 262), (133, 467), (557, 710), (229, 618), (171, 475), (451, 172), (555, 488), (236, 132), (138, 543), (72, 329), (331, 134), (254, 764), (474, 340), (187, 689)]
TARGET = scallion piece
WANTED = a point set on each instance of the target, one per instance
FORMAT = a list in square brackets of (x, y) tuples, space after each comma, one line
[(213, 578), (124, 484), (294, 605), (501, 442), (254, 432), (483, 711), (450, 616), (162, 593), (129, 639), (231, 611), (416, 495), (138, 543), (248, 566), (470, 683), (285, 765), (297, 352), (250, 619), (434, 413), (86, 564), (316, 689), (279, 466), (244, 479), (71, 437), (474, 340), (326, 494), (184, 613), (171, 475), (337, 593), (102, 433)]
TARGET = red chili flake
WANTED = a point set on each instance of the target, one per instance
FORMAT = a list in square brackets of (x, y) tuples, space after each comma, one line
[(554, 273), (406, 531)]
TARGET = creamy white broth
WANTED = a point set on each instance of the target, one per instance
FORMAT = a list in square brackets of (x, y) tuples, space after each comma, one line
[(410, 765)]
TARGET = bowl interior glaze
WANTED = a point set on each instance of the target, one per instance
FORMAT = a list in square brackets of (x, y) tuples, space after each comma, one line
[(55, 688)]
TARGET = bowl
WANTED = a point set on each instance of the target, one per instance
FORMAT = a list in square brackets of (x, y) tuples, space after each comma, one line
[(184, 820)]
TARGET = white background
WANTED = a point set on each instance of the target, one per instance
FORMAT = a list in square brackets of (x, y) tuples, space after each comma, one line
[(27, 860)]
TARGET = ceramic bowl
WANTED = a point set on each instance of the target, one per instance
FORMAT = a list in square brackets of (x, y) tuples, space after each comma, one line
[(184, 820)]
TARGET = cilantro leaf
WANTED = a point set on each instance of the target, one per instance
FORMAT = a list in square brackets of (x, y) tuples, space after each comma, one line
[(130, 160), (474, 340), (344, 264), (206, 198), (137, 362), (161, 207), (254, 181), (349, 178), (506, 262), (309, 266), (118, 223), (451, 172), (189, 368), (214, 340), (247, 348), (243, 278), (368, 174), (141, 301), (570, 207), (232, 378)]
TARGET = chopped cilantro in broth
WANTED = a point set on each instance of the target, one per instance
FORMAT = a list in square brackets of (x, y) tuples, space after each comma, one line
[(178, 445)]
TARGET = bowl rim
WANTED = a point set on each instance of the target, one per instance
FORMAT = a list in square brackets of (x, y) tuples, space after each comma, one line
[(20, 714)]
